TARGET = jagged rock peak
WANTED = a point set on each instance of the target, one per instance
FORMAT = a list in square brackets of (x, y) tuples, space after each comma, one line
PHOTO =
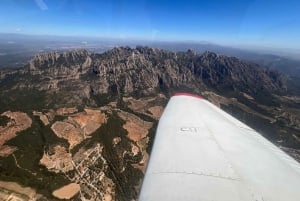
[(137, 49), (210, 55), (129, 70), (136, 69), (191, 52), (56, 54), (55, 59)]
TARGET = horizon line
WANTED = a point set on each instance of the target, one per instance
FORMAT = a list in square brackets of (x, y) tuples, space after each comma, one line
[(246, 47)]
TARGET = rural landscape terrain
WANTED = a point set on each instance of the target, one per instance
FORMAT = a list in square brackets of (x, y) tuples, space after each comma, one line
[(79, 124)]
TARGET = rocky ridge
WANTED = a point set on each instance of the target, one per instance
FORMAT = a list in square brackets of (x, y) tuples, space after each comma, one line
[(144, 71)]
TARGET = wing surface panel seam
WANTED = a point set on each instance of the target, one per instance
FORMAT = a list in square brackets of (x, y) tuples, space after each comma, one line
[(255, 196), (196, 173)]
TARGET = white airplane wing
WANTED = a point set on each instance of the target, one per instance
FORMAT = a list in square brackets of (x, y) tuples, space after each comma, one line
[(201, 153)]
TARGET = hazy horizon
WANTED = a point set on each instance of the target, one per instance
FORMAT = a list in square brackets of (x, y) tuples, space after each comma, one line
[(247, 23), (89, 40)]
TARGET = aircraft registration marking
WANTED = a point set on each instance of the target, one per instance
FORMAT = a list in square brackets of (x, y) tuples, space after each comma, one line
[(190, 129)]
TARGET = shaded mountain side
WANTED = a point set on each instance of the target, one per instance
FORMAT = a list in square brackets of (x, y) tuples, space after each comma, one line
[(147, 69)]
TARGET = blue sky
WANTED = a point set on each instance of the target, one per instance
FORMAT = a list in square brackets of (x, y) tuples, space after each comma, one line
[(257, 23)]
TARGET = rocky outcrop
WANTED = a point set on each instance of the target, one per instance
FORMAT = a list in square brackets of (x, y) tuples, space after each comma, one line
[(70, 59), (231, 73), (56, 70), (143, 71)]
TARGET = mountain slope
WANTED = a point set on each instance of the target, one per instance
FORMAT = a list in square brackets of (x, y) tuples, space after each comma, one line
[(144, 71)]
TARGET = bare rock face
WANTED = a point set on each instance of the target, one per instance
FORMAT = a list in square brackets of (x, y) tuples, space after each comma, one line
[(79, 75), (126, 70), (58, 72), (71, 60)]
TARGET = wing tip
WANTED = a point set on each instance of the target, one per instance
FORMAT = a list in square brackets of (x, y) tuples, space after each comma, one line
[(188, 94)]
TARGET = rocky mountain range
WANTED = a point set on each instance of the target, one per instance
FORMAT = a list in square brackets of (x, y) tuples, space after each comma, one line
[(148, 69), (143, 71), (66, 94)]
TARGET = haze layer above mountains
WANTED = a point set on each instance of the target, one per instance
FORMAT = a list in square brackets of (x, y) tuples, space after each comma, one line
[(17, 49)]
